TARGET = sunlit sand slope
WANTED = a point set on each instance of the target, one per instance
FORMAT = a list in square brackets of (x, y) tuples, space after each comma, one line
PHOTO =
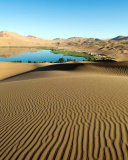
[(25, 71), (83, 116)]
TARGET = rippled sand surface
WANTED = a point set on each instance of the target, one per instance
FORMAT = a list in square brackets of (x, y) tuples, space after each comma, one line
[(65, 111)]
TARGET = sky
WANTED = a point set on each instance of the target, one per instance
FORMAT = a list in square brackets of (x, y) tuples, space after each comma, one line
[(49, 19)]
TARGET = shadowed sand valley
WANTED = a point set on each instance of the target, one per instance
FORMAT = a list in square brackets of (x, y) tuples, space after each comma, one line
[(64, 111)]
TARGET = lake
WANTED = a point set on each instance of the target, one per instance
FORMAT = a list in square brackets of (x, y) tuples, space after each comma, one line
[(43, 55)]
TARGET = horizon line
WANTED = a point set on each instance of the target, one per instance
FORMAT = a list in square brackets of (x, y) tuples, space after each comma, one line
[(66, 38)]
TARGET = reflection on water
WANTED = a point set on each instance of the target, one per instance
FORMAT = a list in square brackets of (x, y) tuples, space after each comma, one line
[(9, 52), (43, 55)]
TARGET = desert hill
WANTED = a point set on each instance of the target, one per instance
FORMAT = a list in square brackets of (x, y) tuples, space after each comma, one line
[(114, 48), (84, 39), (78, 39), (120, 38), (14, 39)]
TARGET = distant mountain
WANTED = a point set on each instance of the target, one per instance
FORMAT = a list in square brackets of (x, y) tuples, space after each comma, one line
[(6, 34), (56, 39), (31, 36), (116, 48), (84, 39), (14, 39), (120, 38)]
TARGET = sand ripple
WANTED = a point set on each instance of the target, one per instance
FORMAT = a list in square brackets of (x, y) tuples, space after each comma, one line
[(64, 118)]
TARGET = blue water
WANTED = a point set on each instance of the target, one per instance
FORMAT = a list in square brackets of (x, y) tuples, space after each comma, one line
[(43, 55)]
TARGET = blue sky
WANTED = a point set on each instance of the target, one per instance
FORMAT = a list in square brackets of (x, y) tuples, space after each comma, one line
[(51, 19)]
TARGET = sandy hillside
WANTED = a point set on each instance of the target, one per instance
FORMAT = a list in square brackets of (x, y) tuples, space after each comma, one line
[(64, 111), (117, 49), (14, 39)]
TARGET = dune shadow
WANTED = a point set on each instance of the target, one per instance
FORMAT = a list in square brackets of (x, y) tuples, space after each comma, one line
[(60, 67), (54, 67), (115, 68)]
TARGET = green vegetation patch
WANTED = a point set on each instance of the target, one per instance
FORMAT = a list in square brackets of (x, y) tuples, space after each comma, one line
[(76, 54), (86, 55)]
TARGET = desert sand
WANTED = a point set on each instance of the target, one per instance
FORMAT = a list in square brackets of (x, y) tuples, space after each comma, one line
[(64, 111), (14, 39)]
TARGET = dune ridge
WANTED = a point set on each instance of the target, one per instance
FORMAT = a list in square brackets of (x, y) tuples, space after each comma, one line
[(19, 71), (15, 39), (74, 113)]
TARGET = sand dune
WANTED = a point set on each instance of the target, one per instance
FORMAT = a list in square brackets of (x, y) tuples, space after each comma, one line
[(18, 71), (65, 111), (14, 39)]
